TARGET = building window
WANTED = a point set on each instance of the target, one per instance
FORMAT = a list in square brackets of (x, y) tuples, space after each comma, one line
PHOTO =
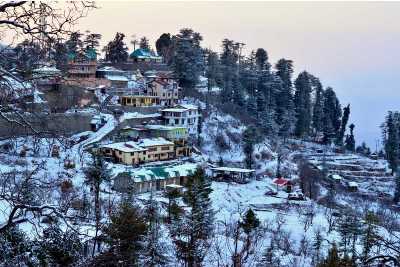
[(176, 121)]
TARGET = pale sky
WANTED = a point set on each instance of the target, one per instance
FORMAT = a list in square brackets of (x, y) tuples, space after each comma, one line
[(352, 47)]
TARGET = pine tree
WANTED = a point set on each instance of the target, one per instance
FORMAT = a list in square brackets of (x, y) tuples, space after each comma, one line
[(188, 61), (116, 50), (144, 43), (343, 126), (261, 59), (229, 68), (238, 96), (350, 142), (249, 140), (92, 40), (251, 106), (96, 174), (125, 235), (285, 108), (74, 43), (163, 44), (317, 117), (155, 247), (333, 259), (59, 248), (302, 102), (369, 234), (317, 245), (191, 232), (332, 114), (391, 141), (245, 232)]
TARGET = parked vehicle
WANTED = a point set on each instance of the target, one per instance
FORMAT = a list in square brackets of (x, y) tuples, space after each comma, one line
[(271, 193), (296, 196)]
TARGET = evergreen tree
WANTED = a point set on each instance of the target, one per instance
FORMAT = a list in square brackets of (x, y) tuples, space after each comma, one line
[(155, 247), (191, 232), (14, 245), (391, 141), (60, 55), (245, 231), (144, 43), (92, 40), (363, 149), (96, 174), (261, 59), (229, 67), (343, 126), (285, 108), (238, 96), (369, 234), (116, 50), (302, 102), (188, 62), (317, 119), (249, 140), (317, 245), (59, 248), (125, 235), (163, 44), (350, 142), (74, 43), (332, 114)]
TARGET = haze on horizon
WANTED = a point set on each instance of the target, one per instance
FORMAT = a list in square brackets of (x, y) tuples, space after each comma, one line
[(352, 47)]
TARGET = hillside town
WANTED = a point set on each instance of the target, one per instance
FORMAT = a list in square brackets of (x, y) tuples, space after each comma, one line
[(171, 154)]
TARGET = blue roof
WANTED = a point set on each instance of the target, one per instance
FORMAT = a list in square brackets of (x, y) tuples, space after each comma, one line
[(142, 53)]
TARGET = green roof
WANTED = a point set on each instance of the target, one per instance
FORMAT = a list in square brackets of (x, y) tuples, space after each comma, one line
[(159, 172), (90, 54), (142, 53)]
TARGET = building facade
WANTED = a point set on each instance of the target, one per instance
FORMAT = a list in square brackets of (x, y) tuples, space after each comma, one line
[(184, 116), (125, 152), (153, 178)]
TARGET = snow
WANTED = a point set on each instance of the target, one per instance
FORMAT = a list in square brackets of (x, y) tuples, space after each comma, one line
[(116, 78), (137, 115), (148, 142), (126, 147), (180, 110), (230, 169)]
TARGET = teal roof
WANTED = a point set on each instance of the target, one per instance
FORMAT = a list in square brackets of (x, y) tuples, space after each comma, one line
[(90, 54), (71, 55), (142, 53), (159, 172)]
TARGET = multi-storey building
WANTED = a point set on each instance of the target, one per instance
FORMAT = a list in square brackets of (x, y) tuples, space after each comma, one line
[(125, 152), (145, 150), (183, 115)]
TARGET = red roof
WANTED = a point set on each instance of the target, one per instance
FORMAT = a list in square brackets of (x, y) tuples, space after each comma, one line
[(281, 181)]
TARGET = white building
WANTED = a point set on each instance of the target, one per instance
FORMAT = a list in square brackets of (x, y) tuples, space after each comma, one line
[(183, 115)]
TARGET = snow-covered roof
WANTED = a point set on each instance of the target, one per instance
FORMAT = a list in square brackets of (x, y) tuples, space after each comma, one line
[(163, 127), (126, 147), (160, 173), (46, 69), (231, 169), (353, 184), (137, 115), (336, 177), (181, 108), (189, 106), (174, 110), (147, 142), (117, 78), (110, 68)]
